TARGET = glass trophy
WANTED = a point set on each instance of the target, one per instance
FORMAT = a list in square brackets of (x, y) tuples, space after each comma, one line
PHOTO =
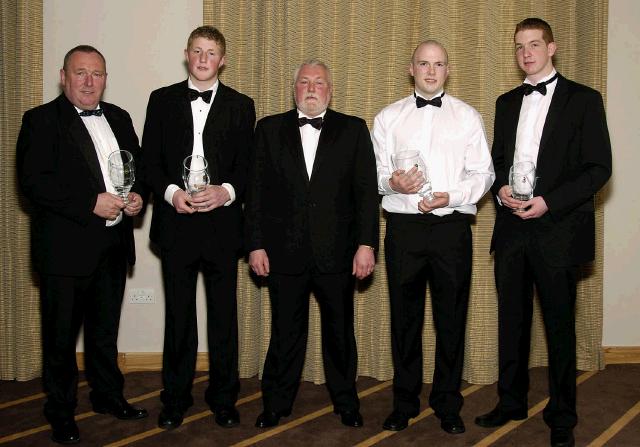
[(122, 173), (195, 174), (522, 180), (408, 159)]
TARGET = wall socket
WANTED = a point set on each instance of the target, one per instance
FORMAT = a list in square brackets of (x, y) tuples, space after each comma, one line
[(141, 296)]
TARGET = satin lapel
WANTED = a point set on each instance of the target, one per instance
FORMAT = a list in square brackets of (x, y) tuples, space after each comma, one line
[(182, 103), (217, 106), (292, 140), (82, 140), (513, 116), (558, 102), (116, 125), (327, 136)]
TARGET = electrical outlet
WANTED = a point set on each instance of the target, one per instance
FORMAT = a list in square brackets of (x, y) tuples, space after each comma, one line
[(141, 296)]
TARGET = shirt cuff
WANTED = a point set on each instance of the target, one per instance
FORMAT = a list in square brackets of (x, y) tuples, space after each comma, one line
[(455, 199), (169, 192), (232, 193), (386, 187)]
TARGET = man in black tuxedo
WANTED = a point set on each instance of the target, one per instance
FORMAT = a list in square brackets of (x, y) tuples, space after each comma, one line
[(201, 231), (81, 238), (312, 224), (560, 126)]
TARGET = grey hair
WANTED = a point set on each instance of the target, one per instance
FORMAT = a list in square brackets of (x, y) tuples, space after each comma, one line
[(313, 62)]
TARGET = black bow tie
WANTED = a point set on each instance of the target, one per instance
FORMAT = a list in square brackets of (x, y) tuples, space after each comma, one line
[(96, 112), (195, 94), (315, 122), (540, 86), (421, 102)]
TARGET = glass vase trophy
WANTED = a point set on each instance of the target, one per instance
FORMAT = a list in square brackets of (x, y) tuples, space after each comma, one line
[(522, 180), (408, 159), (122, 173), (195, 174)]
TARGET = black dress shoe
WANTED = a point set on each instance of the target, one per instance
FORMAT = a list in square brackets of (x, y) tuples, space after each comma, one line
[(497, 418), (351, 418), (227, 417), (65, 431), (452, 424), (562, 437), (270, 418), (120, 408), (170, 418), (397, 420)]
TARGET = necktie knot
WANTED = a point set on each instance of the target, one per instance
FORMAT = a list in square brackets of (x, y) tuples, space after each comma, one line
[(96, 112), (435, 102), (315, 122), (539, 87), (195, 94)]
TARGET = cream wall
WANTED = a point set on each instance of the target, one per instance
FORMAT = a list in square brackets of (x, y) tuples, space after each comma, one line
[(143, 43), (143, 40), (622, 206)]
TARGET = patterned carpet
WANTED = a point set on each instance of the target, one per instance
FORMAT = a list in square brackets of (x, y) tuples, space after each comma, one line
[(608, 409)]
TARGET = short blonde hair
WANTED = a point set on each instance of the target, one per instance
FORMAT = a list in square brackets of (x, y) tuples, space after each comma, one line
[(208, 32)]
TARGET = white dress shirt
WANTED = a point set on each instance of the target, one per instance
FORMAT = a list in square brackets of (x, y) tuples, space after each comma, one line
[(310, 137), (452, 142), (199, 111), (105, 142), (533, 114)]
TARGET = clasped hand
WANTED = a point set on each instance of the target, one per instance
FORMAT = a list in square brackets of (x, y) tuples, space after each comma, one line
[(410, 182), (212, 197), (525, 209), (108, 206), (407, 182)]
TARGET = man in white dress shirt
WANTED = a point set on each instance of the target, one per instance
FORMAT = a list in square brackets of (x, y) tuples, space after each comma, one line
[(430, 240)]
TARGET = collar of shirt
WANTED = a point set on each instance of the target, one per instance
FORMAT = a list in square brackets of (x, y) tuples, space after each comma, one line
[(213, 88), (438, 93), (301, 114), (79, 110), (549, 76)]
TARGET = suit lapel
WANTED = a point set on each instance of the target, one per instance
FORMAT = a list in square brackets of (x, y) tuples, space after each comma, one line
[(217, 106), (81, 138), (327, 136), (214, 119), (183, 104), (513, 117), (292, 140), (558, 102)]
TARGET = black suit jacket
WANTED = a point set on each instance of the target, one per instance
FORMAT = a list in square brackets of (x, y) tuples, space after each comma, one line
[(320, 221), (58, 170), (168, 139), (574, 162)]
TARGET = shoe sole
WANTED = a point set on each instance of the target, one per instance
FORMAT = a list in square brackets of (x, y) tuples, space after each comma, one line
[(75, 441), (487, 425), (169, 427)]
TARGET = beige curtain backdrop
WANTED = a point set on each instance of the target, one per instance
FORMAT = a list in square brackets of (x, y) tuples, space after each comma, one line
[(368, 44), (20, 90)]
